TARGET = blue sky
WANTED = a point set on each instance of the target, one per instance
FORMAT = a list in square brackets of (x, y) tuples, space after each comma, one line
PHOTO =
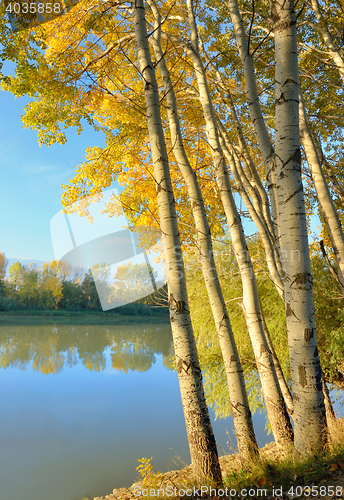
[(31, 178)]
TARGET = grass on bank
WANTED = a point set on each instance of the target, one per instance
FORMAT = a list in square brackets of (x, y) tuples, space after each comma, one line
[(271, 476), (321, 476), (89, 317)]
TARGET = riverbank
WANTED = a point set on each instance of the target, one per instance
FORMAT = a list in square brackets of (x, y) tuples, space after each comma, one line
[(63, 317), (272, 476)]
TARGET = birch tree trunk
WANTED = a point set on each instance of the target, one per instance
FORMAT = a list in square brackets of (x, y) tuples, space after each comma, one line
[(263, 138), (204, 457), (309, 411), (274, 401), (272, 257), (324, 162), (327, 37), (327, 207), (241, 413)]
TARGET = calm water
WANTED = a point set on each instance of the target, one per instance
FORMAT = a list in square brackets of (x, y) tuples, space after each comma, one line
[(80, 405)]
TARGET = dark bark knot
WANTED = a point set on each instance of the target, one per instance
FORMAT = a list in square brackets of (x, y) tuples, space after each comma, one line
[(177, 306), (302, 281), (233, 359), (284, 25), (147, 67), (300, 190), (283, 100), (223, 320), (280, 100), (296, 157), (185, 366), (160, 188), (289, 311), (180, 306), (308, 333), (239, 410), (289, 80), (302, 376), (263, 350), (160, 160)]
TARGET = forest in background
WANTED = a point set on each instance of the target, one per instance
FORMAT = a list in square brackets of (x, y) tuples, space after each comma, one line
[(60, 286)]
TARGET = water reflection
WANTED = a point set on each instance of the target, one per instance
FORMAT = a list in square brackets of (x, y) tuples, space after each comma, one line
[(50, 348), (80, 404)]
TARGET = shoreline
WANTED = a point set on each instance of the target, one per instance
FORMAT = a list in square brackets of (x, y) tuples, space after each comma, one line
[(282, 474), (39, 317)]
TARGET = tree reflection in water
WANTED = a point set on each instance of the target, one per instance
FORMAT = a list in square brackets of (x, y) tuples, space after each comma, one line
[(51, 347)]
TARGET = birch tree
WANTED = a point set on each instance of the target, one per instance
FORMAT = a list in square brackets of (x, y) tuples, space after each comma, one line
[(309, 410), (237, 391), (271, 389), (201, 440), (330, 214)]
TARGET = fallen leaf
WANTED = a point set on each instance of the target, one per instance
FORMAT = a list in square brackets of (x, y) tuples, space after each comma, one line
[(261, 481), (333, 467)]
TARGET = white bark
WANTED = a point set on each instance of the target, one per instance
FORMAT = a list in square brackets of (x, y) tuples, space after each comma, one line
[(324, 162), (256, 200), (274, 401), (327, 207), (263, 138), (272, 269), (272, 257), (241, 413), (202, 444), (309, 411), (327, 37), (253, 184)]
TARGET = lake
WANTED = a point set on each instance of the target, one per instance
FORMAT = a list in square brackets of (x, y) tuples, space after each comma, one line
[(80, 404)]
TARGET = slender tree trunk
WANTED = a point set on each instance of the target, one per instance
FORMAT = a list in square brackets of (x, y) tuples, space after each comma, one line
[(327, 207), (309, 410), (334, 181), (281, 379), (334, 428), (204, 457), (327, 37), (263, 138), (272, 257), (241, 413), (274, 401)]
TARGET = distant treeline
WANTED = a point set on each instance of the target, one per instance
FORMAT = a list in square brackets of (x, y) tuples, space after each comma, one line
[(60, 286)]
